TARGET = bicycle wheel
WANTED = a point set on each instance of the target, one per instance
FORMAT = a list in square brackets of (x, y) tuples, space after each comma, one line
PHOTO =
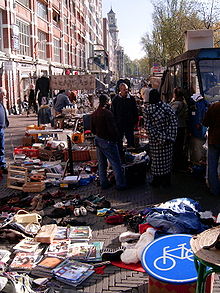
[(166, 265), (189, 255)]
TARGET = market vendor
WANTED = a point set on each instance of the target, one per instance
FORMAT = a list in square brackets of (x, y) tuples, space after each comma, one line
[(62, 100)]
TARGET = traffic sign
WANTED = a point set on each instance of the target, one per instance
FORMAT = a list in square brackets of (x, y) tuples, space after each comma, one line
[(170, 259)]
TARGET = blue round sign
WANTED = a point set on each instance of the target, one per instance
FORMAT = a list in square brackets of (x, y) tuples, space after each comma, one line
[(170, 259)]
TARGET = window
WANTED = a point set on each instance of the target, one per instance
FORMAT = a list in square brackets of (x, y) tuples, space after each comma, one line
[(24, 37), (65, 25), (42, 45), (42, 10), (25, 2), (66, 53), (56, 49), (56, 18)]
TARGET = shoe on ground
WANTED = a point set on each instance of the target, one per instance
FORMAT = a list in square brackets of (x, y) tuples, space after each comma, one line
[(112, 254), (83, 211)]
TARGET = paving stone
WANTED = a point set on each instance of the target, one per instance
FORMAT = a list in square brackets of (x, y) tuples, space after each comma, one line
[(138, 197)]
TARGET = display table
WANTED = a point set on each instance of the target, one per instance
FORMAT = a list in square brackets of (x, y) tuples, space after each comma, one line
[(60, 133), (169, 261)]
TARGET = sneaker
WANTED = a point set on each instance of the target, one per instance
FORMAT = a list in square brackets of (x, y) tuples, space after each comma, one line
[(112, 254)]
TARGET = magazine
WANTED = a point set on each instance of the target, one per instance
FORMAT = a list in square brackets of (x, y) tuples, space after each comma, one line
[(80, 233), (94, 253), (79, 281), (71, 270), (4, 255), (79, 250), (23, 261), (61, 233), (27, 245), (58, 247)]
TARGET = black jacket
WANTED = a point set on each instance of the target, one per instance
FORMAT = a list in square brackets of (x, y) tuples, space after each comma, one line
[(125, 111)]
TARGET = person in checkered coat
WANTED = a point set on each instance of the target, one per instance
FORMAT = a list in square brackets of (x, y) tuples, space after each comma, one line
[(161, 125)]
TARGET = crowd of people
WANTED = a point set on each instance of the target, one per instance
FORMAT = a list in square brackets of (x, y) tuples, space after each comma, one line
[(168, 126)]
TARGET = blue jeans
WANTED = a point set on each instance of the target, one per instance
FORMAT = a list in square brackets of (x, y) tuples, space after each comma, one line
[(2, 148), (107, 150), (213, 159)]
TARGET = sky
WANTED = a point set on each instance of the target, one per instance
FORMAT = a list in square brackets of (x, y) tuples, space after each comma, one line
[(134, 20)]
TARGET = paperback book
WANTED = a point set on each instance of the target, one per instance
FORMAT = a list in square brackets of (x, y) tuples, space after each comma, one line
[(80, 233), (72, 272), (46, 265), (58, 247), (61, 233), (27, 245), (23, 261)]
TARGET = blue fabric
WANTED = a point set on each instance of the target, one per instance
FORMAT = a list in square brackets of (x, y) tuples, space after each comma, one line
[(107, 150), (2, 116), (197, 112), (213, 159), (62, 101), (2, 148), (176, 216)]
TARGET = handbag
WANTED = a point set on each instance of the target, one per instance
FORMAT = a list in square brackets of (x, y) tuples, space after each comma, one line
[(24, 217)]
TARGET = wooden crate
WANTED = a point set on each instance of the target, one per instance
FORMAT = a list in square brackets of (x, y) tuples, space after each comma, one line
[(34, 186), (17, 177)]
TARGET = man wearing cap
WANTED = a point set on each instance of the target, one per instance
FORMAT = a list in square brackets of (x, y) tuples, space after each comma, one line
[(106, 137), (3, 124)]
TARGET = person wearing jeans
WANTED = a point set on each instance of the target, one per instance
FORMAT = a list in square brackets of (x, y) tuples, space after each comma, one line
[(212, 121), (3, 124), (106, 136)]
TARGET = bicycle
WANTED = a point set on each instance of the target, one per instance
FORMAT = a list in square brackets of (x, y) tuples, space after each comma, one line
[(168, 259)]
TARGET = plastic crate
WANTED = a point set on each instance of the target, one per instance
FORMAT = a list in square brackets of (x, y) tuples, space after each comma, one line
[(28, 151)]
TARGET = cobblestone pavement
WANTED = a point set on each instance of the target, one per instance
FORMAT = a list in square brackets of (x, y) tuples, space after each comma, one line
[(117, 279)]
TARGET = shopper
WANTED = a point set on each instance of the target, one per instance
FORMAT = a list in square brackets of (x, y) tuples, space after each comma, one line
[(106, 137), (62, 100), (212, 121), (3, 124), (161, 126), (125, 112), (180, 108)]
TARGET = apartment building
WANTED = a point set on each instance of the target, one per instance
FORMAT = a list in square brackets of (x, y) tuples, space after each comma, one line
[(45, 37)]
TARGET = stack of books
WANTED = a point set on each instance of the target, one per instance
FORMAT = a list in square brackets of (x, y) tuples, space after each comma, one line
[(23, 262), (80, 233), (27, 245), (45, 266), (58, 247), (86, 251), (72, 272)]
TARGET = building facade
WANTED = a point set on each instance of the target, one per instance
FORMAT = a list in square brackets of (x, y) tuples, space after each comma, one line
[(47, 37)]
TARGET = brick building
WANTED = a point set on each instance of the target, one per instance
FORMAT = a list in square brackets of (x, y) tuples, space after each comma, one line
[(46, 37)]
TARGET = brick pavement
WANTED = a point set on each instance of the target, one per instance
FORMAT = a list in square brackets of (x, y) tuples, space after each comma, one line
[(117, 279)]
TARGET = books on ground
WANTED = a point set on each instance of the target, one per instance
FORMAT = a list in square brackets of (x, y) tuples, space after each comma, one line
[(80, 233), (72, 272), (58, 247), (61, 233), (46, 265), (23, 261), (27, 245)]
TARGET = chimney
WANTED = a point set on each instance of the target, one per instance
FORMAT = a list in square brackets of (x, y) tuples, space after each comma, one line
[(197, 39)]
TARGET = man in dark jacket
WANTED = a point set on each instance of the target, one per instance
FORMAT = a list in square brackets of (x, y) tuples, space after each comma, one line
[(125, 112), (3, 124), (212, 121), (106, 136)]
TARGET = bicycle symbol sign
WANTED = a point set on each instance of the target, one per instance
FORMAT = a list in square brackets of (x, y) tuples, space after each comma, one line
[(170, 259), (167, 260)]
